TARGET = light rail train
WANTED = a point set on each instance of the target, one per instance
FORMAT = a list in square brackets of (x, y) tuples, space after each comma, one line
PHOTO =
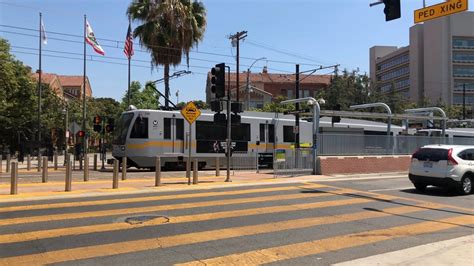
[(141, 135)]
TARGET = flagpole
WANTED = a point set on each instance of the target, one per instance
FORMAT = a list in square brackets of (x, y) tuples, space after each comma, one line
[(84, 143), (129, 58), (39, 87)]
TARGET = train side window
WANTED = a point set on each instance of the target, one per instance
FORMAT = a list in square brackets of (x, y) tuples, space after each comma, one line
[(271, 133), (262, 132), (288, 135), (167, 128), (140, 128), (180, 129)]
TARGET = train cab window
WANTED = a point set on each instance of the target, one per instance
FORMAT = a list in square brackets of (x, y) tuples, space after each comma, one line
[(241, 132), (140, 128), (167, 128), (271, 133), (288, 135), (180, 129), (262, 132)]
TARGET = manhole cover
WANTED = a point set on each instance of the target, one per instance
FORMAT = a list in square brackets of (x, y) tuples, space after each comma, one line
[(155, 219)]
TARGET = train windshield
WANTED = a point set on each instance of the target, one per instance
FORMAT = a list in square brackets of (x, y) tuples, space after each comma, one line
[(122, 128)]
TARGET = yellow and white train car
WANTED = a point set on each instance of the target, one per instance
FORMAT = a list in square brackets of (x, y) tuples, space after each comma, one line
[(142, 135)]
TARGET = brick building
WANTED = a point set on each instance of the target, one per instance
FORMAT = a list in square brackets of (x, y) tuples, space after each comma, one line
[(265, 86), (65, 86)]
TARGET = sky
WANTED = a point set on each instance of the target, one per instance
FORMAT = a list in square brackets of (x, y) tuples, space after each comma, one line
[(306, 32)]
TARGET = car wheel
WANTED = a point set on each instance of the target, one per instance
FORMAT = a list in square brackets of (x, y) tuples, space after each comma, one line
[(465, 187), (420, 186)]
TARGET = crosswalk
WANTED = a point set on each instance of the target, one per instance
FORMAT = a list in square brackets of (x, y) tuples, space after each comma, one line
[(287, 223)]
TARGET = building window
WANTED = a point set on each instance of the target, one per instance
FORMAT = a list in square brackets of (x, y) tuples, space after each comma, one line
[(283, 92), (402, 59), (463, 71), (463, 43), (306, 93), (395, 73), (463, 57), (458, 86), (140, 128), (289, 94), (458, 99)]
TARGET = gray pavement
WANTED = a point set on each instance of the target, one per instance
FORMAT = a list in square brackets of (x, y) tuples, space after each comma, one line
[(299, 223)]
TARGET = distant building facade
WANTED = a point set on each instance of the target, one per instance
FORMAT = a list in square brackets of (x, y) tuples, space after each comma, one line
[(436, 64), (65, 86), (264, 86)]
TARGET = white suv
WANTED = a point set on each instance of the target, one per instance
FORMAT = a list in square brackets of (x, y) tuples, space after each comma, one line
[(443, 165)]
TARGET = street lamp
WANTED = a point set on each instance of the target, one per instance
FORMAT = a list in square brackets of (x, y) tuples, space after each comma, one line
[(248, 85), (431, 109), (384, 105)]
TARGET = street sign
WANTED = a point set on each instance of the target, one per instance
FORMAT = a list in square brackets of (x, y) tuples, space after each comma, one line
[(440, 10), (74, 128), (190, 112)]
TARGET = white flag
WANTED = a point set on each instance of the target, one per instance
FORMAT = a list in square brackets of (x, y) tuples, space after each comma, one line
[(44, 39), (90, 39)]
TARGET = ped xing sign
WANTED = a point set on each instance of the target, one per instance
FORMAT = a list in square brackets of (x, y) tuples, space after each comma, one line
[(440, 10)]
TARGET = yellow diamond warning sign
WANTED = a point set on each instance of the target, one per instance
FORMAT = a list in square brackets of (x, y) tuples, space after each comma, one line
[(190, 112), (440, 10)]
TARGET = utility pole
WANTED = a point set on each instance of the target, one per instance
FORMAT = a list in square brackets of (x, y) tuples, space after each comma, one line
[(236, 39), (39, 88), (464, 101), (297, 108)]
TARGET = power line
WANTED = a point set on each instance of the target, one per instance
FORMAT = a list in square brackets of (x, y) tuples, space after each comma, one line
[(118, 42)]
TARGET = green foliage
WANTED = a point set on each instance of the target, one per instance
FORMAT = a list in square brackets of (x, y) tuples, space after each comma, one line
[(19, 103), (168, 29), (142, 98)]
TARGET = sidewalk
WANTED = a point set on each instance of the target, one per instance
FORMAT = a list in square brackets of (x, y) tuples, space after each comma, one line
[(458, 251), (103, 185)]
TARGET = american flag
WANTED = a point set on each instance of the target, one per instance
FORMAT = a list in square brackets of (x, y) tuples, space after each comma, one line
[(128, 48)]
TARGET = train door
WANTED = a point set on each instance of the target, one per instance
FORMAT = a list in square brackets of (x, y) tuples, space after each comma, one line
[(267, 137), (174, 132)]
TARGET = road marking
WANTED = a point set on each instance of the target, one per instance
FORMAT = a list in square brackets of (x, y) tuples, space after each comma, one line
[(153, 198), (125, 211), (389, 189), (35, 235), (42, 193), (314, 247), (197, 237)]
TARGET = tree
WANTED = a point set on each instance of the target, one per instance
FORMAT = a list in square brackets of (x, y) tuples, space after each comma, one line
[(142, 98), (19, 102), (169, 29)]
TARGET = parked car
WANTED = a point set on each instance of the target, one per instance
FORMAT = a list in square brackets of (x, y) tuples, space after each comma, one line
[(443, 166)]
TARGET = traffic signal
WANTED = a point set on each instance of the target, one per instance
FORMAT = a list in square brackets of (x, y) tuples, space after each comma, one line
[(98, 128), (216, 106), (81, 134), (392, 9), (97, 120), (218, 80), (110, 125)]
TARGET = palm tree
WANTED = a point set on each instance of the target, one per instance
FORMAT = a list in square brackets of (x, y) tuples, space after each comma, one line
[(169, 29)]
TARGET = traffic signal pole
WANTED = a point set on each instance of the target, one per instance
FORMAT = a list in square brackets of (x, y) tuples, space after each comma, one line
[(229, 126)]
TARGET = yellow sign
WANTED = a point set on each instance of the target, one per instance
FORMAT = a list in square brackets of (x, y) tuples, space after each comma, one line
[(190, 112), (440, 10)]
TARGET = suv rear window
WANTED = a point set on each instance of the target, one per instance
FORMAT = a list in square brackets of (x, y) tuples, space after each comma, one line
[(431, 154)]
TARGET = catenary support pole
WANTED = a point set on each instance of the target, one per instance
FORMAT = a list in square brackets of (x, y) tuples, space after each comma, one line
[(68, 182)]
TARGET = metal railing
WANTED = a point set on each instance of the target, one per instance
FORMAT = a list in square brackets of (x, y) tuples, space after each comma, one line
[(341, 144), (292, 162)]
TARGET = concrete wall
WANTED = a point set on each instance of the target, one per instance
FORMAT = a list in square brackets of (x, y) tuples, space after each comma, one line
[(364, 164)]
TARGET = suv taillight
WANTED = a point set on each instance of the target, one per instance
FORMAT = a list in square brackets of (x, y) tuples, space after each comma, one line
[(451, 160)]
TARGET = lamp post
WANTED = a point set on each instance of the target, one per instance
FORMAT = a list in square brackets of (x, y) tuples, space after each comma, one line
[(431, 109), (247, 88)]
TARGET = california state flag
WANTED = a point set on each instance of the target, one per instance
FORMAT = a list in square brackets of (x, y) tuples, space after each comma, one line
[(90, 39)]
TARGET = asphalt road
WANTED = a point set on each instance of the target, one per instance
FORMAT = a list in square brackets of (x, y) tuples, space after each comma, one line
[(303, 223)]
